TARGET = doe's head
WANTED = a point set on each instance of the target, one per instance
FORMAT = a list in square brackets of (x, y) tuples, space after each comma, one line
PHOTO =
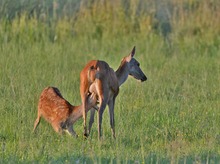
[(134, 67)]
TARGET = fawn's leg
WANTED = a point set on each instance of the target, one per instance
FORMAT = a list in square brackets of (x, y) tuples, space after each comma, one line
[(37, 121)]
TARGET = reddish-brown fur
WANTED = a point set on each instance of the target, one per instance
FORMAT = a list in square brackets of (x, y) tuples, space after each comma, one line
[(58, 111), (98, 78)]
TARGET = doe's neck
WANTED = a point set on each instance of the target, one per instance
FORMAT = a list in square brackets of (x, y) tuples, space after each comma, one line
[(122, 73)]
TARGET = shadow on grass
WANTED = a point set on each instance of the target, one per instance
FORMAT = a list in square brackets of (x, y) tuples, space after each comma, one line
[(152, 158)]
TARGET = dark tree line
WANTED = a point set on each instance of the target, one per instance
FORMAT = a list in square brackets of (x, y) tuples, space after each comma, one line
[(9, 9)]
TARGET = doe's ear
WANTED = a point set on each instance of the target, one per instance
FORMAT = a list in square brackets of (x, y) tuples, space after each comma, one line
[(131, 55), (133, 52)]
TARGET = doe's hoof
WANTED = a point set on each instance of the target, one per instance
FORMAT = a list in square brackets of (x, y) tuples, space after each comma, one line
[(86, 135)]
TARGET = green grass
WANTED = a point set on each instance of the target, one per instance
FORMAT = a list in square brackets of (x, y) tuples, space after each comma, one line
[(174, 116)]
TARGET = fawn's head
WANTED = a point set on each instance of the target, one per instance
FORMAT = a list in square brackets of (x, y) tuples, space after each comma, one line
[(134, 67)]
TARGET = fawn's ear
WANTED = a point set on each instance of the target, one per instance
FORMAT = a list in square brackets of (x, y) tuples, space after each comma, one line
[(131, 55)]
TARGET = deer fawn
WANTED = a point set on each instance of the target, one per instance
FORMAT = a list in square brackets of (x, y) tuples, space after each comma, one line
[(97, 77), (59, 112)]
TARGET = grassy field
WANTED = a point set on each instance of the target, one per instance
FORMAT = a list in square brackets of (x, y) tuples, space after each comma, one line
[(173, 117)]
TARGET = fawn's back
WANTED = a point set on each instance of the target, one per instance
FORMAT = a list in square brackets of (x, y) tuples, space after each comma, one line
[(52, 106)]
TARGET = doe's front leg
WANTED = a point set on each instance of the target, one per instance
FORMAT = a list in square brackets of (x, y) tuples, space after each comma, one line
[(100, 114), (111, 106)]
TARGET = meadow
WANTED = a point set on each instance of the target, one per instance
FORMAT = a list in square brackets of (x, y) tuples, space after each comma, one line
[(173, 117)]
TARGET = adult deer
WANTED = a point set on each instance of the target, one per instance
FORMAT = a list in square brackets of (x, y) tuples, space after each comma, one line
[(59, 112), (97, 77)]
